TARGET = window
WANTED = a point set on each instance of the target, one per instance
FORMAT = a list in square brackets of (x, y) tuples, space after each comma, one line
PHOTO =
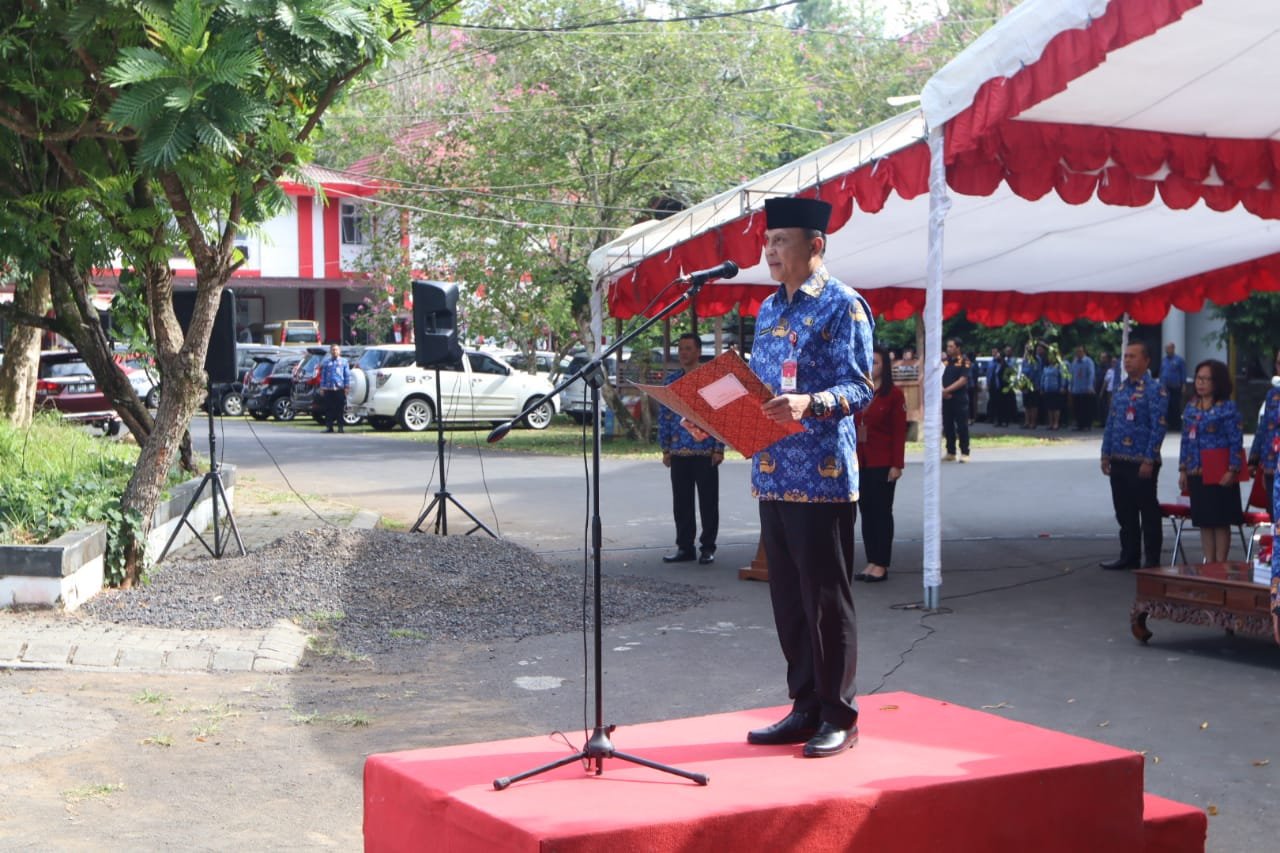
[(354, 224), (481, 363)]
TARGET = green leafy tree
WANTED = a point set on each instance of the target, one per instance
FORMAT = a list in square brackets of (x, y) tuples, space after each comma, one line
[(140, 126), (1251, 325)]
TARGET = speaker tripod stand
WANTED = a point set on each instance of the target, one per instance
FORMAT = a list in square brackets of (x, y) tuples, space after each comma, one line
[(217, 493), (443, 498)]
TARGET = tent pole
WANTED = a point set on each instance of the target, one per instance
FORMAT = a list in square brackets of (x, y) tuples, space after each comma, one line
[(939, 204)]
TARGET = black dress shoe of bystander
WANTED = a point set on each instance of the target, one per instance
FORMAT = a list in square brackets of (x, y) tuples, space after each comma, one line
[(680, 557)]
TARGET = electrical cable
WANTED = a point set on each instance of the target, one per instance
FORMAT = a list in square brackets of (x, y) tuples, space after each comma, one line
[(285, 477), (943, 611)]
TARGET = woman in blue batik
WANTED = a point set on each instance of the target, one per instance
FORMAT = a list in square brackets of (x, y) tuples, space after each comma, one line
[(1275, 562), (1052, 390), (1211, 457), (1266, 439)]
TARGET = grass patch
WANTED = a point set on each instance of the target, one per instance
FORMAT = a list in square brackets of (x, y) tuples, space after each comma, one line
[(91, 792), (1013, 440), (327, 647), (157, 740), (322, 618), (58, 477), (562, 438), (151, 697), (407, 634)]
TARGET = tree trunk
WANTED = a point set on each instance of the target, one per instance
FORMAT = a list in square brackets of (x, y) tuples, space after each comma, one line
[(20, 370), (181, 360), (77, 320)]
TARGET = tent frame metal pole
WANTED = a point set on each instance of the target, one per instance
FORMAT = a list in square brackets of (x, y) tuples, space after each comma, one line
[(939, 205)]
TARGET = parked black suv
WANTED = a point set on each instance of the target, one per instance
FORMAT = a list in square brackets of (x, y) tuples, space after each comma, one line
[(266, 392), (228, 397)]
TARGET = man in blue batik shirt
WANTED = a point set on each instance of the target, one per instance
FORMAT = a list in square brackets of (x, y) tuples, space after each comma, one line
[(1173, 376), (813, 348), (695, 467), (1131, 459), (335, 379)]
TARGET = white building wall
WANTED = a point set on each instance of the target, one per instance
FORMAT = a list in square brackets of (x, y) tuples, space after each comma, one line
[(317, 239), (278, 244)]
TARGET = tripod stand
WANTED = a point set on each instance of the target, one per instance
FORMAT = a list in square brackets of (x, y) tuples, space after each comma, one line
[(212, 479), (440, 502), (599, 747)]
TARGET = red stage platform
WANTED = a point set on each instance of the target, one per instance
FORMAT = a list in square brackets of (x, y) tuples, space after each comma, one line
[(925, 776)]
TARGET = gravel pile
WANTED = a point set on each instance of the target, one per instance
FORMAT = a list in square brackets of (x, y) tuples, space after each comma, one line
[(380, 590)]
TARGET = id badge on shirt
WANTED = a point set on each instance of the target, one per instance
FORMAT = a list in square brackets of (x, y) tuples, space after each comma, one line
[(1191, 433), (789, 370), (1130, 414)]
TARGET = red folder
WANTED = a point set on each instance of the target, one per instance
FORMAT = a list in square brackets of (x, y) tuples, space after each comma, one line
[(1214, 464), (725, 399)]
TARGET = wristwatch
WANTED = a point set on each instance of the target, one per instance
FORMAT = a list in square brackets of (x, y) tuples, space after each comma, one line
[(818, 405)]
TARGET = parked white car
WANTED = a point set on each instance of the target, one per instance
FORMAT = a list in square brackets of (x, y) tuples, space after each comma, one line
[(388, 388)]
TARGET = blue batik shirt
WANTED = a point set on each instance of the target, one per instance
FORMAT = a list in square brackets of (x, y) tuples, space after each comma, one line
[(1136, 421), (335, 373), (677, 440), (1082, 375), (1275, 550), (1219, 427), (1051, 378), (1033, 368), (826, 328), (1266, 440), (1173, 371)]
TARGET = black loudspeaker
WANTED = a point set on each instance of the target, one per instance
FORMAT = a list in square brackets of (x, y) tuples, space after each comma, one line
[(435, 323), (220, 360)]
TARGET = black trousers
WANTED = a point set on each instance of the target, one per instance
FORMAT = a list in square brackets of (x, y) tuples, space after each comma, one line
[(875, 500), (335, 402), (1173, 415), (810, 551), (690, 474), (955, 420), (1083, 405), (1138, 513)]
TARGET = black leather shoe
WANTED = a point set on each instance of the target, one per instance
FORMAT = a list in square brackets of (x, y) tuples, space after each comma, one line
[(830, 740), (796, 727), (1119, 565), (706, 558), (680, 557)]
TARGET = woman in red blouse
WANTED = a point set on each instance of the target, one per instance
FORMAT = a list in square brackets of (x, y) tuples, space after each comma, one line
[(882, 444)]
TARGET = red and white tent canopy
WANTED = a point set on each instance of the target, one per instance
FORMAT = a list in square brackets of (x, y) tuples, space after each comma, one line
[(1102, 156), (1085, 158)]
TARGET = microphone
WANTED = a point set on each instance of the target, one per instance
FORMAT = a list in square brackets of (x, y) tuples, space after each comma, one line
[(726, 269), (500, 432)]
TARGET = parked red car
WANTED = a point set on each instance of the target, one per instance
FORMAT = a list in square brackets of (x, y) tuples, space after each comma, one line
[(66, 384)]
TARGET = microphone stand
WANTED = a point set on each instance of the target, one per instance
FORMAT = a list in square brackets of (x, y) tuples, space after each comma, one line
[(599, 746)]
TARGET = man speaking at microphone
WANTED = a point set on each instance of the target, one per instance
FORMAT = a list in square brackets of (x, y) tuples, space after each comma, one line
[(813, 347)]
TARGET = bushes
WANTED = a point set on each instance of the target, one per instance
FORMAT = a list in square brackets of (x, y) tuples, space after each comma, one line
[(56, 477)]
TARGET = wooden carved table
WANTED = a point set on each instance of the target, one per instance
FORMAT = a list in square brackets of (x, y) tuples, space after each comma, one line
[(1216, 595)]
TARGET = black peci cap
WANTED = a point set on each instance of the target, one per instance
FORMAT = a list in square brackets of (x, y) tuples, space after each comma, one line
[(797, 213)]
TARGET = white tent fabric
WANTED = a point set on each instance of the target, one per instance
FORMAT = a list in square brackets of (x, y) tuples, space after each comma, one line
[(1102, 155)]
